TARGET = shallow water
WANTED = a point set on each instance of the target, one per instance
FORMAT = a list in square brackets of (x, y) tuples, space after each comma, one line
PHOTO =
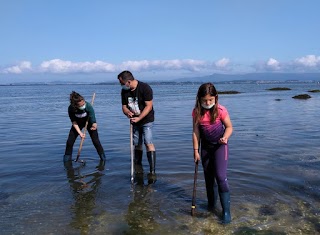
[(273, 169)]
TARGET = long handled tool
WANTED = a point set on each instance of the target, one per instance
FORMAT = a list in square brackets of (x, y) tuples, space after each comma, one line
[(132, 153), (193, 207), (84, 132)]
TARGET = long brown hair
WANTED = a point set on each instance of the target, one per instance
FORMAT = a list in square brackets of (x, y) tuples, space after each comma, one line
[(75, 98), (206, 89)]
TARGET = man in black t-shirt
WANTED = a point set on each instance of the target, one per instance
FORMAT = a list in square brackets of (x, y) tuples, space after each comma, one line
[(137, 104)]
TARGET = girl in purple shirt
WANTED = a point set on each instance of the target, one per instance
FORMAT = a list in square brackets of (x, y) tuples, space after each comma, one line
[(212, 128)]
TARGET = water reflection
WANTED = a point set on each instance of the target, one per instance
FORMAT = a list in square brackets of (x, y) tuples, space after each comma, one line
[(144, 209), (84, 188)]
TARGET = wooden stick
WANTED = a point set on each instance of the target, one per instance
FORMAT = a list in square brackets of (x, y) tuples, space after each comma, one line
[(84, 131), (193, 206), (132, 153)]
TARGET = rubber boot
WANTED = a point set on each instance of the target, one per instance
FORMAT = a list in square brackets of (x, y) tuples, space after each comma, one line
[(225, 204), (212, 196), (102, 157), (67, 158), (101, 165), (152, 161), (152, 178), (138, 161), (68, 165)]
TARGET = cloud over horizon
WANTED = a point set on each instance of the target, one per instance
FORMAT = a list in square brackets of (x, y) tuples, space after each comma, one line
[(309, 63)]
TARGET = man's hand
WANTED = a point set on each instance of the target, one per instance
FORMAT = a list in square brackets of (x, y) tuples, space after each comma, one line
[(135, 119)]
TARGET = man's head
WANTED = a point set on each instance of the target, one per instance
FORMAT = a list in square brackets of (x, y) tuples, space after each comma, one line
[(125, 78)]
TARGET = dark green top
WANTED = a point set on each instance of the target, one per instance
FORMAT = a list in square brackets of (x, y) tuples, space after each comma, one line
[(81, 116)]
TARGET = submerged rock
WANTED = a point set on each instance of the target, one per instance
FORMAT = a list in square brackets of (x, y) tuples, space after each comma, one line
[(314, 91), (302, 96), (229, 92), (279, 89)]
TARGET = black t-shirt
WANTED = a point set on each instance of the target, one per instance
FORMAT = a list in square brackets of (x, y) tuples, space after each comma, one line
[(135, 101)]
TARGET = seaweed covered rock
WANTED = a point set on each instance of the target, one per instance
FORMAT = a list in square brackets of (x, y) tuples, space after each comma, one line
[(279, 89), (314, 91), (229, 92), (302, 96)]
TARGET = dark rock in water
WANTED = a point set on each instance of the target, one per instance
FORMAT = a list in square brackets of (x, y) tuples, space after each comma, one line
[(314, 91), (279, 89), (266, 210), (277, 99), (4, 195), (296, 213), (302, 96), (250, 231), (229, 92)]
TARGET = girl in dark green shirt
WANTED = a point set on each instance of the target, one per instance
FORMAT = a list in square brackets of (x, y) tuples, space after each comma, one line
[(80, 112)]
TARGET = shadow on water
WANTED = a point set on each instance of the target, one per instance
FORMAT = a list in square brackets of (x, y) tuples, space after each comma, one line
[(84, 188)]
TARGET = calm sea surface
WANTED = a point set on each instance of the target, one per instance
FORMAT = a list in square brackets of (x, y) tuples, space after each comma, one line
[(273, 169)]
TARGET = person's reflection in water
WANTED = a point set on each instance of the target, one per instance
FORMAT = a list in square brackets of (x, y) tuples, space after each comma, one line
[(152, 178), (84, 189), (144, 208)]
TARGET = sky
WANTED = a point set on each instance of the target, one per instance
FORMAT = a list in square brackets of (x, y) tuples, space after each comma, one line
[(93, 41)]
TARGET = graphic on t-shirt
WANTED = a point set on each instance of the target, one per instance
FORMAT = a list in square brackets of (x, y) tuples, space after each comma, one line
[(133, 105), (81, 115)]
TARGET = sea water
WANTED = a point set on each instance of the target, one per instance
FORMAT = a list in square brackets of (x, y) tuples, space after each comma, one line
[(273, 167)]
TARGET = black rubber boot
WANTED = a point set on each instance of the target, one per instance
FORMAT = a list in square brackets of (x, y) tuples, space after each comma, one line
[(225, 203), (102, 157), (68, 165), (152, 178), (101, 165), (138, 161), (67, 158), (152, 161), (212, 196)]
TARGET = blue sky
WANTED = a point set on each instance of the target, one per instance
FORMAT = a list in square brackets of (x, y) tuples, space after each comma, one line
[(78, 40)]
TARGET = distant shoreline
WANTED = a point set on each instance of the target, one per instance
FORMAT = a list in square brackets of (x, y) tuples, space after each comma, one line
[(163, 82)]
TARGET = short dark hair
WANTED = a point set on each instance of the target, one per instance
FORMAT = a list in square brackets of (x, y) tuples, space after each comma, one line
[(125, 76)]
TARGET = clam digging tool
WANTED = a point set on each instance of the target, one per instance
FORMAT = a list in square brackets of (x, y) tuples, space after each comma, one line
[(132, 153), (193, 206), (82, 139)]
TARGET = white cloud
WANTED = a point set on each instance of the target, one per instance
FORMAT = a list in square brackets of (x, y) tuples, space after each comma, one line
[(24, 66), (309, 61), (222, 63), (267, 66), (190, 65), (306, 64), (62, 66), (273, 64)]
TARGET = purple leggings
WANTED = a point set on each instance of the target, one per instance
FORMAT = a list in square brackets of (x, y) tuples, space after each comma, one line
[(215, 162)]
